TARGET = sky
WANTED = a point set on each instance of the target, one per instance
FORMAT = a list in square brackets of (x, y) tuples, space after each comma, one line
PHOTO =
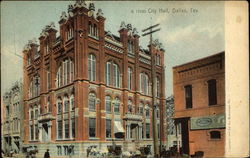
[(189, 30)]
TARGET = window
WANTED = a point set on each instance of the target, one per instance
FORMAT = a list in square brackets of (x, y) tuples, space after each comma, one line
[(158, 59), (108, 73), (117, 105), (130, 78), (70, 33), (92, 67), (147, 130), (73, 127), (48, 80), (59, 129), (142, 131), (108, 104), (31, 132), (31, 114), (212, 92), (59, 106), (92, 127), (188, 96), (215, 135), (66, 104), (59, 78), (144, 83), (147, 111), (157, 86), (130, 106), (66, 128), (158, 130), (92, 99), (112, 74), (72, 102), (59, 150), (116, 75), (108, 128), (157, 112), (140, 109), (36, 113), (130, 47), (65, 73), (36, 132), (34, 89), (93, 31)]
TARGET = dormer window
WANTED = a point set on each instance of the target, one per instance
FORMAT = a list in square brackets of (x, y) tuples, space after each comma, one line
[(157, 59), (93, 31), (46, 48), (130, 47), (70, 33)]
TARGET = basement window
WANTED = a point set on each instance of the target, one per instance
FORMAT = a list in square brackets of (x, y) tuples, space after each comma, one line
[(215, 135)]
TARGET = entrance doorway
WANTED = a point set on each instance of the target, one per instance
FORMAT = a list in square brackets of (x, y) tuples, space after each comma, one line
[(184, 134)]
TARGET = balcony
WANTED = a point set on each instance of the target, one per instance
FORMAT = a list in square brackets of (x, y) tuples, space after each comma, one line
[(134, 117), (45, 117)]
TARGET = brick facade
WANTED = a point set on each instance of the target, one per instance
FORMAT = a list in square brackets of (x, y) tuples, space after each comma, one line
[(204, 113), (82, 34)]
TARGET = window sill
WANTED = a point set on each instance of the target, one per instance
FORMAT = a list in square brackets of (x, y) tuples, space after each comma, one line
[(94, 138)]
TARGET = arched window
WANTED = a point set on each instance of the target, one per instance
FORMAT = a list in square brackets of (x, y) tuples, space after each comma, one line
[(108, 104), (90, 28), (130, 78), (59, 77), (92, 101), (144, 83), (215, 135), (59, 106), (66, 104), (48, 105), (130, 106), (130, 47), (31, 89), (117, 105), (112, 74), (92, 67), (140, 109), (95, 30), (147, 111), (116, 75), (108, 73), (65, 73), (72, 102), (157, 86), (71, 71)]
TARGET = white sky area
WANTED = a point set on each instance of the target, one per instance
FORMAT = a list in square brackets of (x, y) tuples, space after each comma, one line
[(185, 36)]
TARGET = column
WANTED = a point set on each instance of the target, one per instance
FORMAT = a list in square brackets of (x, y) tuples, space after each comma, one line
[(40, 128), (49, 124)]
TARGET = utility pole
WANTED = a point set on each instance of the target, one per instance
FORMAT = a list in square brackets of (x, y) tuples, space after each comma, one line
[(155, 130)]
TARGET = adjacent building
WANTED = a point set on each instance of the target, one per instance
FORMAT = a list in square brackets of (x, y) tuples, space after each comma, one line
[(199, 92), (173, 131), (87, 87), (11, 119)]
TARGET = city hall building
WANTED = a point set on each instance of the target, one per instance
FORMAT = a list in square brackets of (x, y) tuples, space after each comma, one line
[(89, 88), (199, 92)]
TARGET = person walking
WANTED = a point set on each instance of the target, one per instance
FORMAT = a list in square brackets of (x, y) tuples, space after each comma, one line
[(46, 154)]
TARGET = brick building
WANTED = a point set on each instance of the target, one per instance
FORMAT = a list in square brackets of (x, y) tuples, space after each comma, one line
[(88, 87), (199, 92), (11, 119)]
